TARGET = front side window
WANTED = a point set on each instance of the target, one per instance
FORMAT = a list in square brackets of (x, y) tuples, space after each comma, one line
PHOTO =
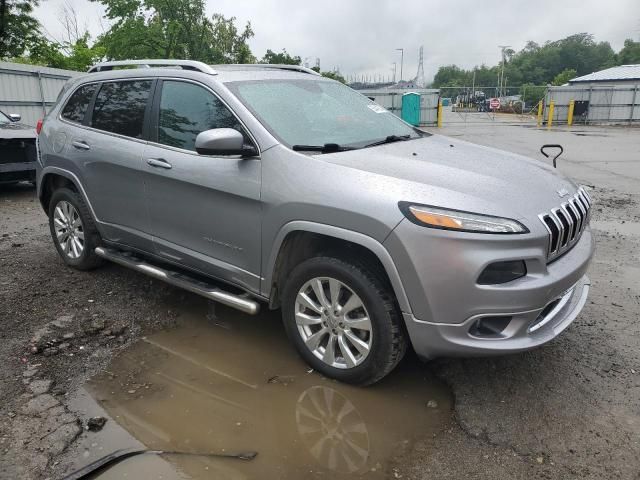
[(318, 112), (120, 107), (186, 110), (78, 103)]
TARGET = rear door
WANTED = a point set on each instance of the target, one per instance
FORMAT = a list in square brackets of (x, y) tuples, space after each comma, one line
[(108, 148), (205, 211)]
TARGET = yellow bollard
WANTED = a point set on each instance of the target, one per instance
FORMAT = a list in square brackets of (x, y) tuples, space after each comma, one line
[(550, 119), (572, 105), (440, 113), (540, 110)]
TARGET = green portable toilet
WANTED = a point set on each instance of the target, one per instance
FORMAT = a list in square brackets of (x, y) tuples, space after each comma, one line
[(411, 108)]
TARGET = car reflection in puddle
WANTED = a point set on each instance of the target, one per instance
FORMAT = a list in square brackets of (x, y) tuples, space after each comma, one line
[(203, 388)]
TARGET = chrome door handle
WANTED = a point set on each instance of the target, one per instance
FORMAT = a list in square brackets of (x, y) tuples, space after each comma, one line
[(158, 162), (80, 145)]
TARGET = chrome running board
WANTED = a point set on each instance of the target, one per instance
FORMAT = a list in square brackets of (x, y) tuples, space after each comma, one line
[(180, 280)]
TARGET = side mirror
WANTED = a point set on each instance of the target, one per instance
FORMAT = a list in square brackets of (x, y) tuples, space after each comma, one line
[(223, 141), (15, 117)]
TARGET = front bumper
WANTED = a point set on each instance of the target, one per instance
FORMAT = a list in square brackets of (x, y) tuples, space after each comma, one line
[(439, 271), (526, 330)]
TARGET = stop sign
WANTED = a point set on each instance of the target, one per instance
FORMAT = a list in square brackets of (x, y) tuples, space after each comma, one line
[(494, 103)]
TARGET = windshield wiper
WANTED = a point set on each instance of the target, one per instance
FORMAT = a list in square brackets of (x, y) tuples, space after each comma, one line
[(389, 139), (326, 148)]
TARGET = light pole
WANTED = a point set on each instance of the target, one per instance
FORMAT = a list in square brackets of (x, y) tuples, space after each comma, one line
[(401, 50), (395, 66), (503, 48)]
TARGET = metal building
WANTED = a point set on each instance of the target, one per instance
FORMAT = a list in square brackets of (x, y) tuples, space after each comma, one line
[(30, 90), (607, 96), (623, 75)]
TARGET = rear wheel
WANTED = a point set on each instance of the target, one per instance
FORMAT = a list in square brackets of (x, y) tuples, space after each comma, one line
[(343, 319), (73, 231)]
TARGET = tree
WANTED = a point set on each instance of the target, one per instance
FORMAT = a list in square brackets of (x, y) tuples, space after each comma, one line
[(75, 55), (532, 94), (282, 58), (564, 76), (538, 65), (630, 53), (19, 29), (173, 29), (541, 64), (331, 75)]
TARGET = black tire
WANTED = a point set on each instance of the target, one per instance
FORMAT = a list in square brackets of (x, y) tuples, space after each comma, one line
[(87, 260), (389, 340)]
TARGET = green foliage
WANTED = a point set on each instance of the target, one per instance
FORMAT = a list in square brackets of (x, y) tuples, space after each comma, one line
[(630, 53), (19, 30), (77, 55), (536, 64), (532, 94), (331, 75), (453, 76), (564, 76), (282, 58), (173, 29)]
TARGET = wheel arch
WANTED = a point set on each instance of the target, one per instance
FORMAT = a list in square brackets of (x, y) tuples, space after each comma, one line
[(53, 178), (306, 239)]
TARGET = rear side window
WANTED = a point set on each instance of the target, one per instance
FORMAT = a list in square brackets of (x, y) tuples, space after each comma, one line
[(78, 104), (120, 107), (186, 110)]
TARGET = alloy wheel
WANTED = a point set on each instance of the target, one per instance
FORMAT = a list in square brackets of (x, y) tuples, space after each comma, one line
[(69, 230), (333, 322)]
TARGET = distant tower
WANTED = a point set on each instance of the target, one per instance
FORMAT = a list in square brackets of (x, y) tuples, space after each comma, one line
[(419, 80)]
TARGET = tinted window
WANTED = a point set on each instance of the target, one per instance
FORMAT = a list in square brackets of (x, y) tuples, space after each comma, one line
[(186, 110), (120, 107), (78, 104)]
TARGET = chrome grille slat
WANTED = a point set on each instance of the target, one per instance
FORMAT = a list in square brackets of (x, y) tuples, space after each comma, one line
[(566, 223), (581, 212), (575, 220)]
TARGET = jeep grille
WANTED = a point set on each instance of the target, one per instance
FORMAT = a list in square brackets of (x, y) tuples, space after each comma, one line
[(566, 223)]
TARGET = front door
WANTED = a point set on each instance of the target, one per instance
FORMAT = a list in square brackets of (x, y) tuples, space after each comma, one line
[(205, 211)]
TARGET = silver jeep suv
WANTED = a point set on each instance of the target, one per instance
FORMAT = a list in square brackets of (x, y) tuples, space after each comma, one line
[(269, 184)]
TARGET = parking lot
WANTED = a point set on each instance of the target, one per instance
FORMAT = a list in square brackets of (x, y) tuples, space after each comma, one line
[(174, 373)]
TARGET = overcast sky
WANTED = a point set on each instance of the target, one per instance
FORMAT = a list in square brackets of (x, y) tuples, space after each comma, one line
[(360, 36)]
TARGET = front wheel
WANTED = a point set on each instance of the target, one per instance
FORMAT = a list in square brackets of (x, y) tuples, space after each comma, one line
[(343, 320)]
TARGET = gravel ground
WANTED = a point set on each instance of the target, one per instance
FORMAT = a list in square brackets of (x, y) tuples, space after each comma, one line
[(570, 409)]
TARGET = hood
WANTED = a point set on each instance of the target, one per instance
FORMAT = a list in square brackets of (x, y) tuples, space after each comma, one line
[(447, 172), (16, 130)]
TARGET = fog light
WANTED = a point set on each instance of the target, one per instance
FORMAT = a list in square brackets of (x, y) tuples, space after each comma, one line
[(502, 272), (490, 326)]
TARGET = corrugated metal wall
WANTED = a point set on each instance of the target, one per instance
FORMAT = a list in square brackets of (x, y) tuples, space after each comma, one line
[(30, 90), (607, 104), (391, 99)]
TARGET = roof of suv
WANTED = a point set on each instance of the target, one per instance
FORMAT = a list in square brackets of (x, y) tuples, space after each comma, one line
[(224, 72)]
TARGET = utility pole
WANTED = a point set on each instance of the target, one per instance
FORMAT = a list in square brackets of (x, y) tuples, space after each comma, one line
[(503, 49), (473, 84), (401, 50)]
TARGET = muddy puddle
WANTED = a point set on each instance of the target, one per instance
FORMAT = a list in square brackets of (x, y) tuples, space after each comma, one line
[(231, 383)]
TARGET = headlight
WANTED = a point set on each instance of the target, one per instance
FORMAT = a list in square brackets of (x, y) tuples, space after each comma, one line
[(446, 219)]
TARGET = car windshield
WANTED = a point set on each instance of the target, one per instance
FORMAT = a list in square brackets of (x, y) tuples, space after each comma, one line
[(319, 112), (4, 118)]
